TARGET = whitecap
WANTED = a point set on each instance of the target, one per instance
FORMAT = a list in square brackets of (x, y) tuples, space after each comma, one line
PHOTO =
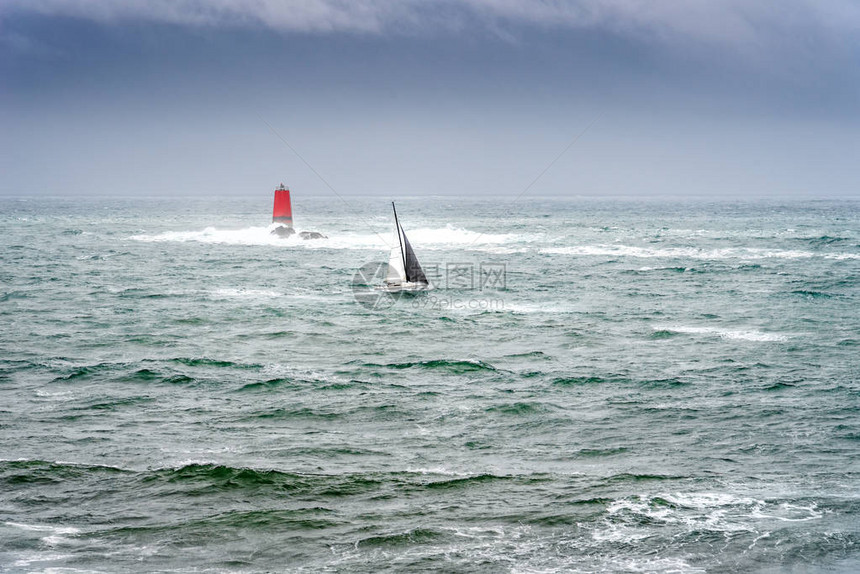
[(703, 500), (44, 528), (744, 253), (213, 235), (425, 238), (26, 560), (438, 470), (673, 565), (232, 293), (456, 236), (54, 535), (787, 512), (729, 334)]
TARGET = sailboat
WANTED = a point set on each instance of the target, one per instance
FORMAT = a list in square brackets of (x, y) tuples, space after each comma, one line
[(404, 271)]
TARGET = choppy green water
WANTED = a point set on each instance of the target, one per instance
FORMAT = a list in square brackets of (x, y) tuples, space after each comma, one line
[(654, 387)]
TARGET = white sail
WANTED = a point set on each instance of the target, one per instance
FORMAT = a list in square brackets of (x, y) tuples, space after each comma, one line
[(396, 271)]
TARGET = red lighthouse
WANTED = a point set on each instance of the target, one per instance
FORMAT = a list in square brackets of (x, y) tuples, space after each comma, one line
[(283, 211)]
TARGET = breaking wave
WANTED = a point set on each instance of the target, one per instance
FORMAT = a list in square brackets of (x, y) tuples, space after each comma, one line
[(730, 334), (426, 237), (692, 252), (443, 365), (451, 236)]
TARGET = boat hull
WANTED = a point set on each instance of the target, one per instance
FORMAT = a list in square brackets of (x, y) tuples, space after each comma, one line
[(408, 287)]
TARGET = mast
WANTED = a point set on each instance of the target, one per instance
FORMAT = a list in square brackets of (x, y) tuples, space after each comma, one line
[(400, 239)]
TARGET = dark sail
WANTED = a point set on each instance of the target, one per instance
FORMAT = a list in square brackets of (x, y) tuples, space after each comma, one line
[(414, 273)]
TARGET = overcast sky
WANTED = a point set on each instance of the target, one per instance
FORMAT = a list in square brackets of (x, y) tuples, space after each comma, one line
[(693, 98)]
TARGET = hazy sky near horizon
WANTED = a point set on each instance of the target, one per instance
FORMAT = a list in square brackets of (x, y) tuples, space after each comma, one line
[(695, 98)]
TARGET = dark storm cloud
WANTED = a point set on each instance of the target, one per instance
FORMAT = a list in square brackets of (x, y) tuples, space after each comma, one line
[(471, 96), (798, 42)]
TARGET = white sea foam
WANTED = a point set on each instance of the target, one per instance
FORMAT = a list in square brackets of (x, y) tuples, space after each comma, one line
[(787, 512), (44, 528), (663, 565), (244, 294), (552, 307), (247, 236), (426, 238), (54, 535), (618, 533), (295, 372), (714, 511), (744, 253), (438, 470), (452, 235), (182, 463), (27, 559), (476, 532), (842, 256), (704, 500), (56, 395), (736, 335), (638, 505)]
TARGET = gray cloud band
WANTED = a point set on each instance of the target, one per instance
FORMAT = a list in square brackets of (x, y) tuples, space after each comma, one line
[(720, 21)]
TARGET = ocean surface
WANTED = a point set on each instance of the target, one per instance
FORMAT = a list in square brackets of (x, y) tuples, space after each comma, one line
[(593, 386)]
